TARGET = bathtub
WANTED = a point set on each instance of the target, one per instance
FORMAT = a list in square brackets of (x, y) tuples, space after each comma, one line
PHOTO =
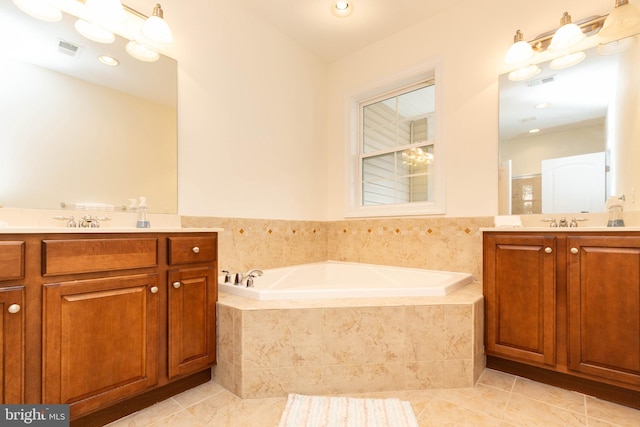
[(333, 279)]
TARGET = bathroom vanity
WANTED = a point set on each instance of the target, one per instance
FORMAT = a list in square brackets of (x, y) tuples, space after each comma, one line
[(106, 321), (563, 307)]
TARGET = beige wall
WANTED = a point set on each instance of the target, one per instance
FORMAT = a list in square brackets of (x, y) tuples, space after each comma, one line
[(262, 121)]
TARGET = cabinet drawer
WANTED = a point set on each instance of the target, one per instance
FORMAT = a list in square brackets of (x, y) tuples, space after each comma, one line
[(93, 255), (192, 249), (11, 260)]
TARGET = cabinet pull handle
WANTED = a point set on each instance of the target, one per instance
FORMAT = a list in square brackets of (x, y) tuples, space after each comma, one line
[(574, 250), (14, 308), (195, 249), (176, 285), (548, 250), (154, 289)]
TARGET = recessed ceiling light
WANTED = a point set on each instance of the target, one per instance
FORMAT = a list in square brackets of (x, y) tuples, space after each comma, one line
[(534, 130), (342, 8), (108, 60)]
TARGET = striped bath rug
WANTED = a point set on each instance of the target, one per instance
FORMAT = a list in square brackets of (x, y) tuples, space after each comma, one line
[(325, 411)]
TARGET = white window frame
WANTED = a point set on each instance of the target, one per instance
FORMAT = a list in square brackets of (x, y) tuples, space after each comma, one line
[(406, 80)]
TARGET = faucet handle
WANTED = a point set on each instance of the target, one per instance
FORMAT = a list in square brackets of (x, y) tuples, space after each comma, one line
[(250, 281), (227, 276)]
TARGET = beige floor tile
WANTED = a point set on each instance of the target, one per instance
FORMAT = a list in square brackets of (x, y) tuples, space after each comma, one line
[(197, 394), (525, 412), (551, 395), (610, 412), (179, 419), (149, 415), (226, 409), (497, 379), (483, 399), (498, 400), (441, 413)]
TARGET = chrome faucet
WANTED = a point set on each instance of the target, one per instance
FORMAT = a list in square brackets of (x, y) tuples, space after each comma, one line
[(249, 275)]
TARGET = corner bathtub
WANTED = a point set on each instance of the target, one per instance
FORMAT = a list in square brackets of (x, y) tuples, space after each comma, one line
[(333, 279)]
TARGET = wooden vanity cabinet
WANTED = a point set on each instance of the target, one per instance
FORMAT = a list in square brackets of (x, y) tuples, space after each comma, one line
[(520, 288), (12, 322), (564, 308), (604, 308), (193, 290), (115, 321)]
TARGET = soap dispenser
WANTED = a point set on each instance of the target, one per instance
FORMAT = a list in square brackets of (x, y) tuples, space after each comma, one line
[(143, 214), (614, 206)]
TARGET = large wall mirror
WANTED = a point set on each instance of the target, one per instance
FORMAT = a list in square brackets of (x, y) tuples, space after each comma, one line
[(73, 130), (569, 138)]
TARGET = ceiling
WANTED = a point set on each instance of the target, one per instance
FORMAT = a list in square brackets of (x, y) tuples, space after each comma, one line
[(314, 27)]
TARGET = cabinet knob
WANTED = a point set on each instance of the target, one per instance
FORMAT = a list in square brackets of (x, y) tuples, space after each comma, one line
[(14, 308), (195, 249), (574, 250), (154, 289), (176, 285), (548, 250)]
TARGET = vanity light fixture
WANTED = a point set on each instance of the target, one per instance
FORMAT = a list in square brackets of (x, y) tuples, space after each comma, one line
[(622, 22), (94, 32), (100, 20), (567, 36), (342, 9), (520, 51), (524, 73), (141, 52), (567, 60), (39, 10), (156, 29)]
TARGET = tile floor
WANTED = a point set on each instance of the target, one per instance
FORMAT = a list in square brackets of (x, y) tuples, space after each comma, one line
[(498, 399)]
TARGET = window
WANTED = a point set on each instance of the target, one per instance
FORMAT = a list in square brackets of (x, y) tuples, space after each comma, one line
[(397, 171)]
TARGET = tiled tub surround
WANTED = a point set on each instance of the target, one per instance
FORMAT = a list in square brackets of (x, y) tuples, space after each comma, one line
[(271, 348), (449, 244)]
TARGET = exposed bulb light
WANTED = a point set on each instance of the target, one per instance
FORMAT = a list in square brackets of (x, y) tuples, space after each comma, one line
[(42, 10), (622, 22), (93, 32), (520, 51), (156, 29), (567, 61), (567, 36), (141, 52), (524, 73), (108, 60), (342, 9)]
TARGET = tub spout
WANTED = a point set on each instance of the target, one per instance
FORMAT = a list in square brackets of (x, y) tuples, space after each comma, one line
[(255, 272)]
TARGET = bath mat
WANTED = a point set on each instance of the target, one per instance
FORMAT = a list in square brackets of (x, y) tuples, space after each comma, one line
[(325, 411)]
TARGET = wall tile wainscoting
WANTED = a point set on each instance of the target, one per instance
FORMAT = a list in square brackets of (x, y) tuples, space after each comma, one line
[(449, 244)]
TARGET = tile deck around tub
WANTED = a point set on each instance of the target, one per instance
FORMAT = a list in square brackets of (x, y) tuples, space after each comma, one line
[(271, 348)]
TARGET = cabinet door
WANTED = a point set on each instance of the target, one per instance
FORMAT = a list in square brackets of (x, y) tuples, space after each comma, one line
[(520, 295), (99, 340), (604, 307), (192, 322), (12, 345)]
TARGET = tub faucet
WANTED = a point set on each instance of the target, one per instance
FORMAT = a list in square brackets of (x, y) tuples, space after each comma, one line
[(249, 275)]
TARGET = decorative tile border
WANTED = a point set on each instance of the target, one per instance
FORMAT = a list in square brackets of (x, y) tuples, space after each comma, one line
[(452, 244)]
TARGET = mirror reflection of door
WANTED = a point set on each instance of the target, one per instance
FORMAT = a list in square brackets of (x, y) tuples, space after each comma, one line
[(574, 184)]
